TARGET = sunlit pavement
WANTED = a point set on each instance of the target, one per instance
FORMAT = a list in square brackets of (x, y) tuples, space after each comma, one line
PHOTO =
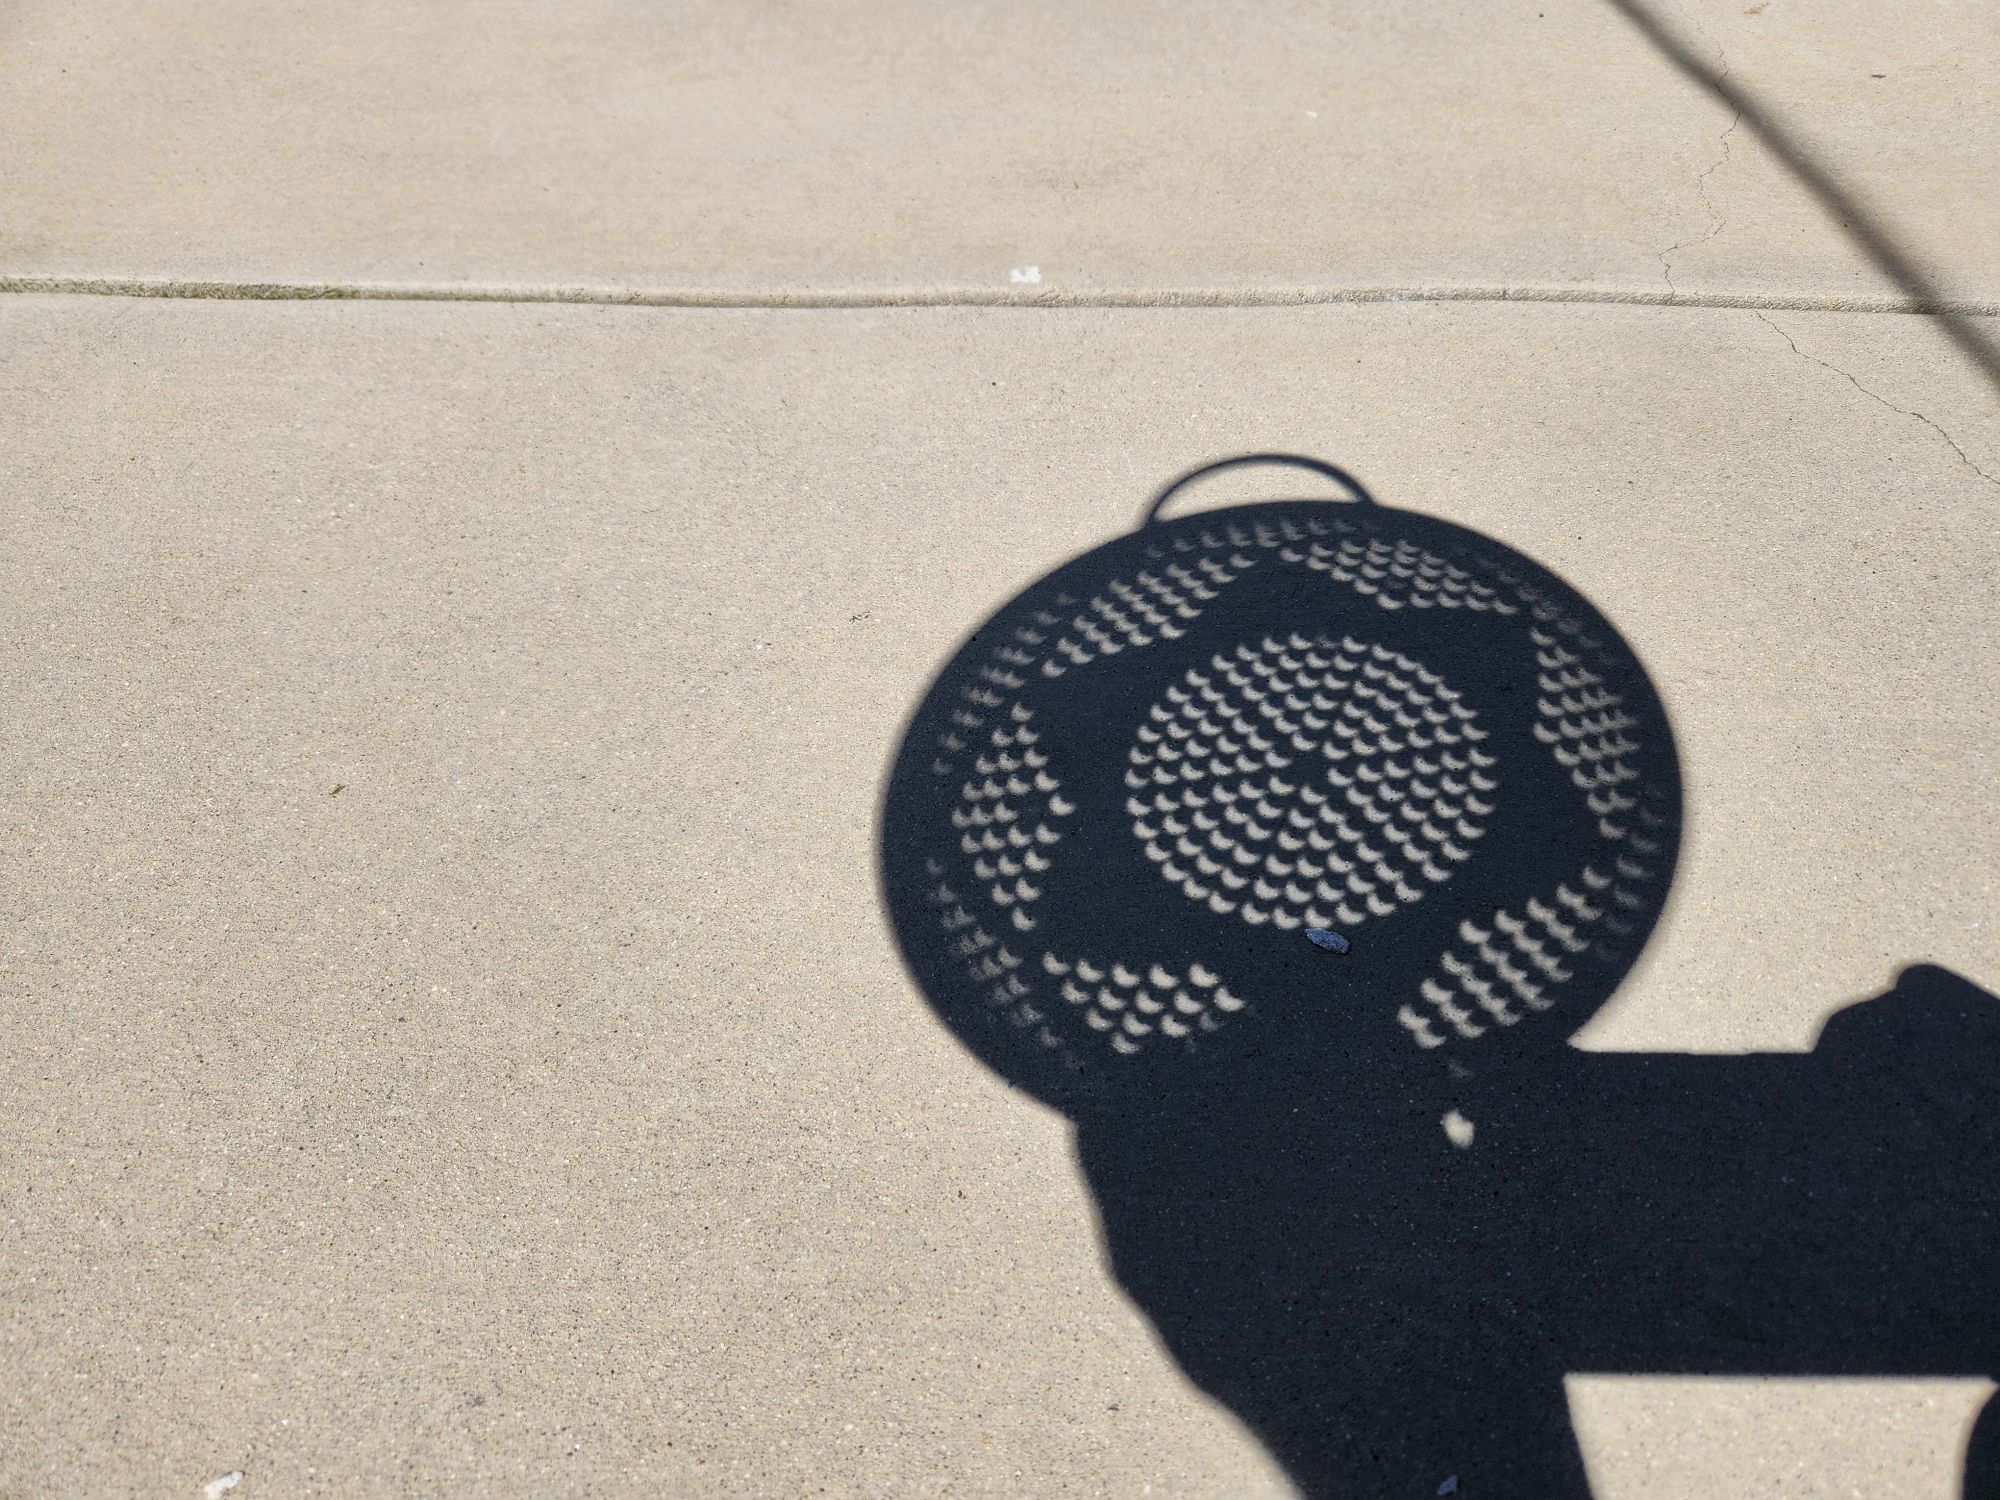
[(454, 1042)]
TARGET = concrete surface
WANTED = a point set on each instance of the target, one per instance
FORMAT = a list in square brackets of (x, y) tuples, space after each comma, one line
[(714, 148), (451, 1040), (547, 1110)]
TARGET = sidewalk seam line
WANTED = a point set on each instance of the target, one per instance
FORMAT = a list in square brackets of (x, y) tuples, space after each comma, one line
[(184, 289)]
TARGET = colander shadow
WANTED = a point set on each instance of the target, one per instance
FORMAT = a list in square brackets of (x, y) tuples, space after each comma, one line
[(1373, 1202)]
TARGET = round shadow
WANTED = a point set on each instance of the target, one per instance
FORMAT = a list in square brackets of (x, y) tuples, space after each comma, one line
[(1134, 791), (1266, 842)]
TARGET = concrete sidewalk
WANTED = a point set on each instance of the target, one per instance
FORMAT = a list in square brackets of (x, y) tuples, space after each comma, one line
[(453, 1042), (905, 148)]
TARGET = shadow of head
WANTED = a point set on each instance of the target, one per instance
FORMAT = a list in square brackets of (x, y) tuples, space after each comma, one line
[(1370, 1199)]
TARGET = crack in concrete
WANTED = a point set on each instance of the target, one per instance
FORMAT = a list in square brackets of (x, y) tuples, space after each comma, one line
[(1707, 202), (1871, 235), (1878, 398), (1701, 182), (1721, 57)]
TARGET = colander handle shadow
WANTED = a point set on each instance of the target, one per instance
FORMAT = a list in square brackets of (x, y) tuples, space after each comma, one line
[(1339, 476)]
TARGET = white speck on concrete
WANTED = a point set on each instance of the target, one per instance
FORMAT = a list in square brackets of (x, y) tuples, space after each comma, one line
[(222, 1484), (1028, 275), (1458, 1130)]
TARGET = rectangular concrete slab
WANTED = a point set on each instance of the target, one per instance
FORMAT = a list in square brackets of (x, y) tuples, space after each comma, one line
[(454, 1043), (1038, 150)]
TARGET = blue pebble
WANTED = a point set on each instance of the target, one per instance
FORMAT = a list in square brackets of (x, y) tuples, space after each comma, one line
[(1326, 938)]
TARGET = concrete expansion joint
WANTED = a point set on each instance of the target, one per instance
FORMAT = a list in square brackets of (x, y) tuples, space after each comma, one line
[(1043, 296)]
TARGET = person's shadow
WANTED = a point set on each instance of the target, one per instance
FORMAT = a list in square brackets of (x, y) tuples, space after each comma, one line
[(1371, 1200)]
